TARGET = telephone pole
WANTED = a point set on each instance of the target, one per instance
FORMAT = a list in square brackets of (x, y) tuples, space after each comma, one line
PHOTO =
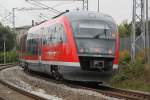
[(4, 47), (4, 53), (98, 5), (147, 33), (13, 18)]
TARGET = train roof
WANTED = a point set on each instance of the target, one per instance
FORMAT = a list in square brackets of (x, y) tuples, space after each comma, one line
[(89, 15), (75, 15)]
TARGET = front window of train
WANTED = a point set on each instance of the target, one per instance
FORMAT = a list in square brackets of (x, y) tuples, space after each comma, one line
[(94, 37), (92, 29)]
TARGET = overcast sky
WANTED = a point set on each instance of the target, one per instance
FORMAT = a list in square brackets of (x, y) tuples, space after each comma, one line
[(119, 9)]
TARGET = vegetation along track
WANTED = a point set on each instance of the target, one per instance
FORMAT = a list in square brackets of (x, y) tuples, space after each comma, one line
[(5, 66)]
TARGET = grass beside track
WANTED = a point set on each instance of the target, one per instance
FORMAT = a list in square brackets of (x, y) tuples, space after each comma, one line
[(10, 57), (134, 76)]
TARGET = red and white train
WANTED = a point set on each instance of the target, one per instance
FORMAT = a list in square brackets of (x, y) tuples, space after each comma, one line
[(84, 44)]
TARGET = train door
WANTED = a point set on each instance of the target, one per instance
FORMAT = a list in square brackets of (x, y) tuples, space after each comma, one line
[(59, 41), (64, 43), (55, 43), (39, 54), (32, 53), (38, 66)]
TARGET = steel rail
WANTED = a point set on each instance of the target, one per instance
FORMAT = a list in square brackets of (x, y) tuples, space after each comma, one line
[(103, 89), (125, 94), (116, 92), (21, 91), (95, 86)]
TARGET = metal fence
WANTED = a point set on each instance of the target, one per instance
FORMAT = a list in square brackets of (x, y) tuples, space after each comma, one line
[(125, 44)]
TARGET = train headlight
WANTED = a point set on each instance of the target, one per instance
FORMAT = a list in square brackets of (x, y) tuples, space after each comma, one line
[(97, 50), (113, 35), (110, 51), (81, 50)]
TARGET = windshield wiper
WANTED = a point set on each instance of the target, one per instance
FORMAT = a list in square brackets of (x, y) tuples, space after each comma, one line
[(100, 34), (96, 36)]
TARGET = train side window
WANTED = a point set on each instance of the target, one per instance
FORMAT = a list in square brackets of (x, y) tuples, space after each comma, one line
[(64, 37), (32, 46), (56, 34), (29, 46), (46, 36), (22, 44), (59, 34), (39, 44), (54, 37), (44, 40), (35, 47)]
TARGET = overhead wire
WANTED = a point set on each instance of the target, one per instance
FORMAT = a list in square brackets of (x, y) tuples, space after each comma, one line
[(43, 5), (62, 4), (4, 17)]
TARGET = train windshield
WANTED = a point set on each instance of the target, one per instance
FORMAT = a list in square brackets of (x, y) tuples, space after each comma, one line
[(94, 36), (91, 29)]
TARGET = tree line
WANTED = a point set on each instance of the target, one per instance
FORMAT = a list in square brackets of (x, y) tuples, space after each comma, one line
[(8, 36), (125, 28)]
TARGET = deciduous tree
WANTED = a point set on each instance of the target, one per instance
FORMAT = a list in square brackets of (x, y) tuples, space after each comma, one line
[(7, 35)]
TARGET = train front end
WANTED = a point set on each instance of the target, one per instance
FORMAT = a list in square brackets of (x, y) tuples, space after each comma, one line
[(95, 36)]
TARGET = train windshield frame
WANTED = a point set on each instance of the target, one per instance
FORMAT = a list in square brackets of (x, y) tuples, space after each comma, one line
[(91, 29)]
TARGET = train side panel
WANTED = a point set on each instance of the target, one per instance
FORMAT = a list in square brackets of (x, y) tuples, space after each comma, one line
[(63, 52), (116, 60)]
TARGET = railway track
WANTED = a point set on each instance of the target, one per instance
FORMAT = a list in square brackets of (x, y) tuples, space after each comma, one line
[(105, 90), (113, 92), (122, 94), (125, 94), (4, 66), (28, 94)]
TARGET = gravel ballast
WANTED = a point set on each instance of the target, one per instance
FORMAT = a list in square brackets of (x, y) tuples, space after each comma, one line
[(48, 89)]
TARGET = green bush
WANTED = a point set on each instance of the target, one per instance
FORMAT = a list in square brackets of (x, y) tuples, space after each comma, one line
[(118, 78), (11, 56), (135, 76), (140, 58), (124, 57), (132, 71)]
